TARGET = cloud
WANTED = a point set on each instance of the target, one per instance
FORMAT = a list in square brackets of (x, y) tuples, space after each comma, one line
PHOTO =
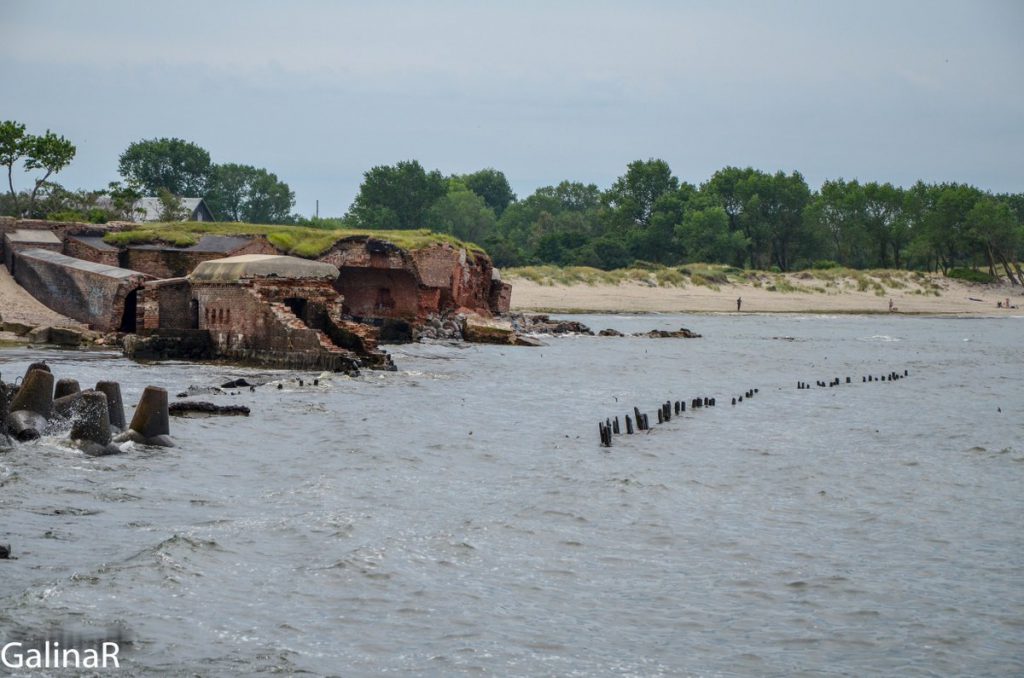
[(318, 92)]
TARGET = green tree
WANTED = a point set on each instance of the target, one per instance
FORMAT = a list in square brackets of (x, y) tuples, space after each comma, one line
[(491, 185), (12, 149), (945, 223), (170, 207), (632, 197), (123, 198), (245, 193), (175, 165), (997, 232), (270, 200), (837, 213), (50, 153), (464, 214), (883, 220), (704, 236), (397, 196), (769, 210)]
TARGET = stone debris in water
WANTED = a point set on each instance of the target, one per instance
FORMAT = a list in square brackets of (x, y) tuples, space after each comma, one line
[(199, 407), (681, 333), (541, 323)]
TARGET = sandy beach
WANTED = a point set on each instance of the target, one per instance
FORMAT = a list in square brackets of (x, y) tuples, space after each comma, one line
[(937, 295), (17, 305)]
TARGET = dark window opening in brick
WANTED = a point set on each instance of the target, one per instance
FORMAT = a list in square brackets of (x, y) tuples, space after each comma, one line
[(131, 303)]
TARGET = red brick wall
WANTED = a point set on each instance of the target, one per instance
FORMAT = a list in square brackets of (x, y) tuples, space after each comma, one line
[(245, 326), (166, 263), (501, 297), (379, 292), (165, 304), (257, 246), (80, 250)]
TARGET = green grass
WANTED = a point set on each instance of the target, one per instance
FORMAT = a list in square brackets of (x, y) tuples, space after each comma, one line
[(301, 241), (830, 280), (970, 275), (655, 275)]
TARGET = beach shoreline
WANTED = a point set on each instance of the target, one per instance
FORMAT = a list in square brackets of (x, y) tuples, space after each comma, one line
[(934, 296)]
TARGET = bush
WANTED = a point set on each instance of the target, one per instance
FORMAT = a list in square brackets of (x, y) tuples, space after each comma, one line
[(93, 215), (823, 264), (970, 275)]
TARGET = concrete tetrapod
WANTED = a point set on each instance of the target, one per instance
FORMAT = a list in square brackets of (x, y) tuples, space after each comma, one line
[(91, 428), (5, 408), (66, 406), (115, 405), (66, 387), (32, 406), (151, 422)]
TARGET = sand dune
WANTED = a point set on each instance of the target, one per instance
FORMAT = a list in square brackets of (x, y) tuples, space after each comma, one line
[(954, 297), (17, 305)]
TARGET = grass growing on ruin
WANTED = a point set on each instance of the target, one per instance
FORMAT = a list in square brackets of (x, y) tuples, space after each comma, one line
[(301, 241)]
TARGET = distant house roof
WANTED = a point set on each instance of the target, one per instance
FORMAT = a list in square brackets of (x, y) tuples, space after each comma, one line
[(246, 266), (150, 209)]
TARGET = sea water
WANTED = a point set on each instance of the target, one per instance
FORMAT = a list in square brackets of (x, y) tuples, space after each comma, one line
[(459, 516)]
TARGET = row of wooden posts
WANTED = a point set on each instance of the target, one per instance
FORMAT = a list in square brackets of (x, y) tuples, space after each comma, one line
[(609, 427), (892, 376), (665, 411)]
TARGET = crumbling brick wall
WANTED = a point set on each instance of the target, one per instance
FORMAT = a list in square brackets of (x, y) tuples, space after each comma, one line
[(166, 304), (244, 325), (380, 280)]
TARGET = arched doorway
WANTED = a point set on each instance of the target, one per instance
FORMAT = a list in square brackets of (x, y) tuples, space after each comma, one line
[(131, 304)]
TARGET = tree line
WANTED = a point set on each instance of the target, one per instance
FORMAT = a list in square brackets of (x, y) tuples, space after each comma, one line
[(168, 169), (741, 217)]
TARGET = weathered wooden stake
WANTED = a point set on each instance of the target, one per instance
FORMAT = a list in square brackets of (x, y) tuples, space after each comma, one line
[(629, 425)]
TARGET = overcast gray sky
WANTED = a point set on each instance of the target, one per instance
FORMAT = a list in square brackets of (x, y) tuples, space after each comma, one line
[(318, 92)]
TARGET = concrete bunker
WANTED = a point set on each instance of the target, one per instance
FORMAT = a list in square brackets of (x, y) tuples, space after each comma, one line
[(91, 293), (268, 309)]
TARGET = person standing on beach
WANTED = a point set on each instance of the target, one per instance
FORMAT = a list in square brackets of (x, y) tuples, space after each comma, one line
[(739, 302)]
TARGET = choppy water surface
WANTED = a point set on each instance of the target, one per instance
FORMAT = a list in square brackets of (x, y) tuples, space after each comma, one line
[(459, 516)]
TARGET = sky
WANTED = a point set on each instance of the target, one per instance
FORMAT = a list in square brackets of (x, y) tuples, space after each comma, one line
[(318, 92)]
